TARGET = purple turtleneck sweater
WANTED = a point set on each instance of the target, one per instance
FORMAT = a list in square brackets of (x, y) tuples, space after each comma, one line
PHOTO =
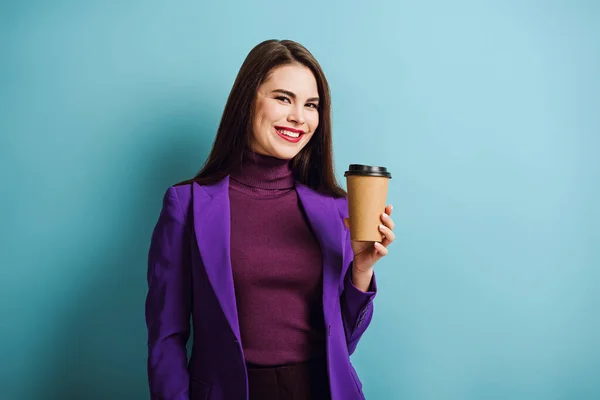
[(277, 265)]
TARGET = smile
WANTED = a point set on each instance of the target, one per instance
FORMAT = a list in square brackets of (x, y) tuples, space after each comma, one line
[(291, 135)]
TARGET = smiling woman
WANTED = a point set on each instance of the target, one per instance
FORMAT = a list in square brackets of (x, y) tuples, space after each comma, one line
[(255, 249)]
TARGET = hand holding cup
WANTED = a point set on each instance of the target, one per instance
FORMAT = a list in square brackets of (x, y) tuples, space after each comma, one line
[(370, 223)]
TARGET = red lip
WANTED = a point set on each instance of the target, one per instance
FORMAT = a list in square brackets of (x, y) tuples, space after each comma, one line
[(290, 129), (287, 138)]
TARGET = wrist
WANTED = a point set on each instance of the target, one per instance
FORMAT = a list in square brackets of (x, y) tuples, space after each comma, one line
[(359, 269), (361, 277)]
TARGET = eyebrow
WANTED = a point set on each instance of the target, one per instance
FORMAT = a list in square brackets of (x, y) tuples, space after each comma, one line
[(293, 95)]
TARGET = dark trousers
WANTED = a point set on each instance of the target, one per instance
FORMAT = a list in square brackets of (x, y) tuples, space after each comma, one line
[(303, 381)]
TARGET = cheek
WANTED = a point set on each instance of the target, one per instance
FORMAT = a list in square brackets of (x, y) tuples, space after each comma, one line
[(259, 111), (272, 112), (313, 121)]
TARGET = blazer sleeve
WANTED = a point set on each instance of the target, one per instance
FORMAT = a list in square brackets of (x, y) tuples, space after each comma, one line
[(356, 305), (357, 309), (168, 303)]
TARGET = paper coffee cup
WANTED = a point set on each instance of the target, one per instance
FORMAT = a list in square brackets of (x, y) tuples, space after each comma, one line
[(367, 197)]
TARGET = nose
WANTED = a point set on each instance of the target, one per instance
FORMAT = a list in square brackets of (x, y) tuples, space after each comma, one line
[(296, 115)]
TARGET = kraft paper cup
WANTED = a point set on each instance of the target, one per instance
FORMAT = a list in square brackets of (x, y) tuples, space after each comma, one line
[(367, 198)]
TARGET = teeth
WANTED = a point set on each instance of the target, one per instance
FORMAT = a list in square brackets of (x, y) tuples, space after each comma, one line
[(288, 133)]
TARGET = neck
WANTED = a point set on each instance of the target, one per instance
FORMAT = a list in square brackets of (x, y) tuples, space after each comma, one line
[(264, 172)]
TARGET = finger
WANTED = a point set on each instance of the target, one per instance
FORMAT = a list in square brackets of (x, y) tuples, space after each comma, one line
[(386, 242), (388, 221), (389, 209), (347, 222), (387, 232), (381, 250)]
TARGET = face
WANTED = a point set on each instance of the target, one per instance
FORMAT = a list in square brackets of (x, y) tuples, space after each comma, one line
[(286, 113)]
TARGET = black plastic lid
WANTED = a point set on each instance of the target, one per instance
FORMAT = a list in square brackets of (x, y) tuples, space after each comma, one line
[(367, 170)]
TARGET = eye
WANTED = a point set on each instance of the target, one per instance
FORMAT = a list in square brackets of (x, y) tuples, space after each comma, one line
[(284, 99), (313, 105)]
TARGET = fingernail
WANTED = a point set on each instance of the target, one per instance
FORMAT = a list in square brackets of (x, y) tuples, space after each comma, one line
[(385, 215), (381, 227)]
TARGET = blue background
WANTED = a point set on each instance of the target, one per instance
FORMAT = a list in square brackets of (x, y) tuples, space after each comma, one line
[(487, 113)]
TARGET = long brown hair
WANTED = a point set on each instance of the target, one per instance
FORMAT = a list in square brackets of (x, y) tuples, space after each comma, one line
[(313, 165)]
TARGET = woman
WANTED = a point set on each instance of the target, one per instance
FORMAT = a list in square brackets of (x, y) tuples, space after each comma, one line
[(256, 249)]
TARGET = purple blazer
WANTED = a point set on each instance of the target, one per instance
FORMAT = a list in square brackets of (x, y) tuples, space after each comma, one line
[(189, 274)]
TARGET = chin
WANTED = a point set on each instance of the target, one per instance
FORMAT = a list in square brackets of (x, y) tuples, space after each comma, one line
[(284, 152), (278, 150), (287, 154)]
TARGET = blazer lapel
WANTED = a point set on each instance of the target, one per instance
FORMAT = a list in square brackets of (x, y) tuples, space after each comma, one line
[(327, 225), (212, 226), (212, 221)]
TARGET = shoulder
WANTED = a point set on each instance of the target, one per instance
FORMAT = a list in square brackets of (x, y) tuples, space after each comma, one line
[(189, 192), (176, 200), (342, 205), (339, 202), (182, 193)]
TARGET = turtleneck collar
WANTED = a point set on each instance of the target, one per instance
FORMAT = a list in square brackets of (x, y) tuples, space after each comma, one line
[(264, 172)]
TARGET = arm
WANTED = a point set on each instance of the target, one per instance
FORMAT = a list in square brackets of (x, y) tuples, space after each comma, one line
[(357, 309), (168, 303), (360, 286)]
